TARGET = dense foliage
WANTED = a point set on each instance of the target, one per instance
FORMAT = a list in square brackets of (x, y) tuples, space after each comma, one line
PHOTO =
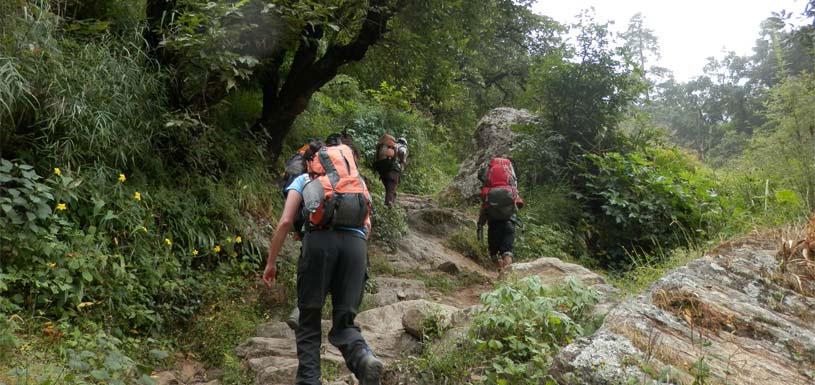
[(641, 201), (141, 144)]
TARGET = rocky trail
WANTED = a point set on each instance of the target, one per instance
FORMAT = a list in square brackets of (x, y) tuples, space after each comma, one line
[(393, 326)]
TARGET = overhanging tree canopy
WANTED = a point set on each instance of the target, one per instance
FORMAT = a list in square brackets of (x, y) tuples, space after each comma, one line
[(289, 49)]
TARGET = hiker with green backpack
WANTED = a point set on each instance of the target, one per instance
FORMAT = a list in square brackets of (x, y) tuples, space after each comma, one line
[(500, 202)]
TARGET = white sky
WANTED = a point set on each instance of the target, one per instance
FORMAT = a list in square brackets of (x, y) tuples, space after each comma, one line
[(689, 31)]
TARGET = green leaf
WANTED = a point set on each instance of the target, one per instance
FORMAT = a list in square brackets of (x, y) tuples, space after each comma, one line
[(159, 354), (146, 380), (5, 166), (87, 276), (100, 375), (108, 216), (787, 197), (495, 344), (43, 211)]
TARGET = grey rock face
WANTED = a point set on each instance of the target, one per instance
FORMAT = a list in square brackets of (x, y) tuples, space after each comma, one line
[(729, 309), (493, 137)]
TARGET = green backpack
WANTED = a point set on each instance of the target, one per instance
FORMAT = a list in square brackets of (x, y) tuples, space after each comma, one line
[(500, 204)]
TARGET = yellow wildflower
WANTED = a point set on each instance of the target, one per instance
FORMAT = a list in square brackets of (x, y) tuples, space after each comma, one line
[(137, 196), (52, 265), (122, 178), (142, 228), (168, 242), (61, 206), (57, 171), (194, 251), (217, 248), (238, 239), (228, 239)]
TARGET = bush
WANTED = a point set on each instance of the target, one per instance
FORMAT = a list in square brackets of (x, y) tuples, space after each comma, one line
[(641, 201), (8, 338), (84, 354), (466, 242), (536, 154), (537, 241), (513, 338), (524, 324), (389, 223), (217, 330), (110, 251)]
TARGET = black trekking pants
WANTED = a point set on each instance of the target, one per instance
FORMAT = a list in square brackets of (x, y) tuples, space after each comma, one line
[(391, 180), (500, 238), (332, 262)]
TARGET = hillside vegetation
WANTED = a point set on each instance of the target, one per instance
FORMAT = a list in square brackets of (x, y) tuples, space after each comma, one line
[(142, 144)]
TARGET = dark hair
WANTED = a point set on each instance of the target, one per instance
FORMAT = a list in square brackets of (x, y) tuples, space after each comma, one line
[(314, 146), (333, 139)]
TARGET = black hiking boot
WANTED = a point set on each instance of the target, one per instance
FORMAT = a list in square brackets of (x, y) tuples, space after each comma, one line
[(293, 320), (371, 368)]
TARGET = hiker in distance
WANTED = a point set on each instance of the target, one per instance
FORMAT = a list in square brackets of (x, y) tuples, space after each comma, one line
[(334, 260), (500, 202), (391, 158)]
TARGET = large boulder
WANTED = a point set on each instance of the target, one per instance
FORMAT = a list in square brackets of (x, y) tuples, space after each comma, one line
[(731, 311), (384, 327), (493, 137)]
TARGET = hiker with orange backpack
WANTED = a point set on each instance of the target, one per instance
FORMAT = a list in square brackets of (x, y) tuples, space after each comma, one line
[(391, 158), (334, 260), (295, 166), (500, 202)]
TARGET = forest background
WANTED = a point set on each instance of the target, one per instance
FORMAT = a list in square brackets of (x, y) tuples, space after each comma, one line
[(141, 143)]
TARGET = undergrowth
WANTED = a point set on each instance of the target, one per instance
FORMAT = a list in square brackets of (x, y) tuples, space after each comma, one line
[(513, 338)]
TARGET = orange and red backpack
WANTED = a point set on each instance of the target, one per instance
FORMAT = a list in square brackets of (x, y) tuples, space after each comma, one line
[(337, 195)]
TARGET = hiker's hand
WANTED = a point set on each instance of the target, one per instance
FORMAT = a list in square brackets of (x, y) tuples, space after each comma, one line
[(269, 274), (480, 233)]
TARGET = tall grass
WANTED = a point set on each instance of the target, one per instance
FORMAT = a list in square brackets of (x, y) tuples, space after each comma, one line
[(85, 103)]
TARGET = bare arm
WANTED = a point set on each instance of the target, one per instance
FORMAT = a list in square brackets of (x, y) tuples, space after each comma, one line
[(293, 200)]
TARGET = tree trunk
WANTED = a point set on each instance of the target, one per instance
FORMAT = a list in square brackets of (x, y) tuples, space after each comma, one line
[(158, 13), (282, 104)]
